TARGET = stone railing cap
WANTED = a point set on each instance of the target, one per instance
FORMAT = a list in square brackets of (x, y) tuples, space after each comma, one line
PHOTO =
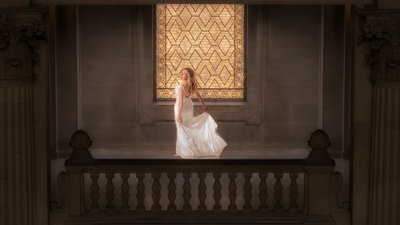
[(319, 140), (80, 140)]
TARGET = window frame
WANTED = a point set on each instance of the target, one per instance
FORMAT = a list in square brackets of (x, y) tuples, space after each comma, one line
[(214, 100), (248, 112)]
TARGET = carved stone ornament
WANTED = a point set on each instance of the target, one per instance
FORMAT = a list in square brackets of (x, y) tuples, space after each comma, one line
[(20, 33), (80, 142), (382, 32), (319, 143)]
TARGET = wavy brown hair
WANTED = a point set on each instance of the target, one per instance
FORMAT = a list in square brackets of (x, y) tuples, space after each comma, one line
[(191, 80)]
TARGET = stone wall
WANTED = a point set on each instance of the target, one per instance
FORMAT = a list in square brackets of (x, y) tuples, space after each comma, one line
[(105, 79)]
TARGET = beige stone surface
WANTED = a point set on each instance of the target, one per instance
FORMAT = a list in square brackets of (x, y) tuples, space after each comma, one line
[(114, 78), (104, 65)]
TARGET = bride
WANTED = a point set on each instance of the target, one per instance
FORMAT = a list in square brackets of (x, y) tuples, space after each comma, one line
[(196, 136)]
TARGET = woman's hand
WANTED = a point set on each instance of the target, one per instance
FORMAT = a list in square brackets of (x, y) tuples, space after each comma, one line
[(179, 119)]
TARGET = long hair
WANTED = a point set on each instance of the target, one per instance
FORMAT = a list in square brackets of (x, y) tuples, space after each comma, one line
[(191, 80)]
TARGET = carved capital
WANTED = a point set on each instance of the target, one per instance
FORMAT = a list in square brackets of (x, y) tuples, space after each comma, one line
[(20, 33), (381, 30)]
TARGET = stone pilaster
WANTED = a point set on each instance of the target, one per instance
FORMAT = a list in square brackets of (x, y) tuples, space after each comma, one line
[(20, 33), (382, 33)]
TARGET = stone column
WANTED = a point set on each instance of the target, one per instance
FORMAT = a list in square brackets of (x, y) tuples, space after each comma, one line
[(382, 33), (20, 32)]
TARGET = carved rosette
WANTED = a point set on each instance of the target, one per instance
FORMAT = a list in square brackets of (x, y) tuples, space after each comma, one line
[(20, 33), (382, 33)]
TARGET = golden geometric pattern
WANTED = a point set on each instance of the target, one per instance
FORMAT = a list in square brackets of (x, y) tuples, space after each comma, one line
[(206, 37)]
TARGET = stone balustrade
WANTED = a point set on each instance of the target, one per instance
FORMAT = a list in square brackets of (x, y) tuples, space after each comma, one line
[(205, 191)]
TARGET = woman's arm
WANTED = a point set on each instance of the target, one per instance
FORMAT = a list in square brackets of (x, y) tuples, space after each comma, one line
[(196, 92), (179, 100)]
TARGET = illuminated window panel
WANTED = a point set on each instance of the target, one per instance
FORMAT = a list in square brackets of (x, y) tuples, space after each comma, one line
[(206, 37)]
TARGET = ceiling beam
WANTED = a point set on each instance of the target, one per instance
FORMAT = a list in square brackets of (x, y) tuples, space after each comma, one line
[(389, 4), (151, 2), (15, 3)]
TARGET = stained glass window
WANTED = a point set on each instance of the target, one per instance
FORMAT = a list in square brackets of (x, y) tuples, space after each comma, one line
[(206, 37)]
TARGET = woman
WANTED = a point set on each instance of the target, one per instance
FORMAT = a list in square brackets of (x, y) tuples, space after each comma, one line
[(196, 136)]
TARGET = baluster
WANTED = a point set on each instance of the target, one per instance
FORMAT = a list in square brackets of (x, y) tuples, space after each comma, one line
[(217, 192), (140, 192), (294, 192), (156, 191), (247, 192), (278, 191), (110, 191), (125, 192), (232, 191), (94, 192), (202, 191), (263, 191), (186, 191), (171, 192)]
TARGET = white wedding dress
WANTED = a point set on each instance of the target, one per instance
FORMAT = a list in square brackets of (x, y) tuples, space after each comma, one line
[(196, 136)]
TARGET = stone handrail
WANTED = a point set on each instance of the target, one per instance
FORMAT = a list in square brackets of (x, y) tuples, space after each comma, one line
[(207, 191)]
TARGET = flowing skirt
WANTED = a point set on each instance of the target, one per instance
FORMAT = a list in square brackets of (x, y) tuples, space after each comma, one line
[(197, 138)]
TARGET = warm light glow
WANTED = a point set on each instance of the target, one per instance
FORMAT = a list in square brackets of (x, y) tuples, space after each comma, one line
[(207, 37)]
